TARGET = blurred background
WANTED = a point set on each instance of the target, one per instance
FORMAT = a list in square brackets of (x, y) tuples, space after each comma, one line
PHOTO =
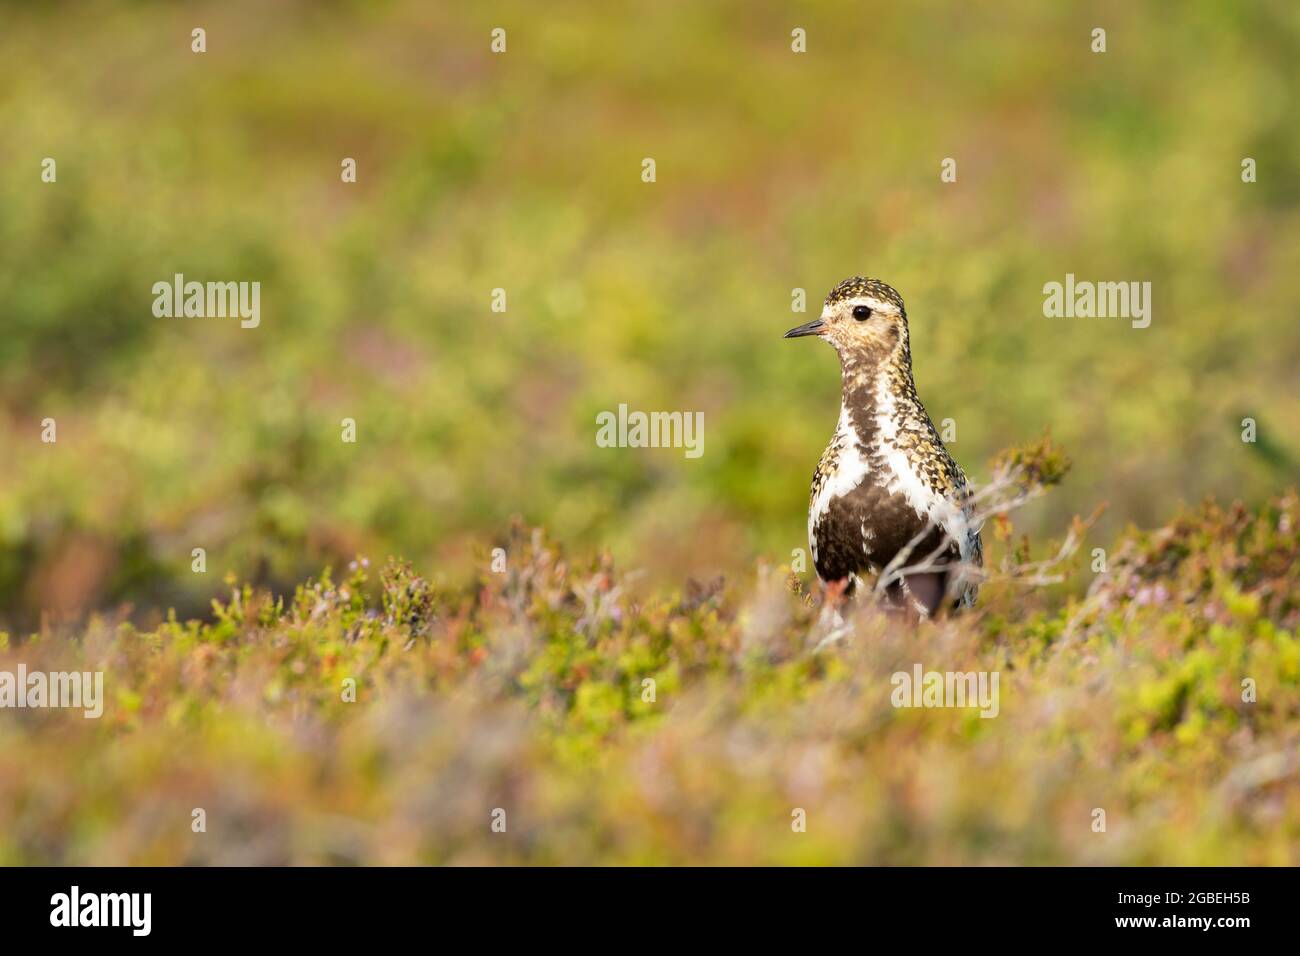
[(522, 171)]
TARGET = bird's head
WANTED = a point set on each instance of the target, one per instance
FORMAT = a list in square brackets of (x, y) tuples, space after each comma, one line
[(863, 318)]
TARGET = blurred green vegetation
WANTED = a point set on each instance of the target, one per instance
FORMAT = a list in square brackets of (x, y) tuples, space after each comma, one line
[(522, 171)]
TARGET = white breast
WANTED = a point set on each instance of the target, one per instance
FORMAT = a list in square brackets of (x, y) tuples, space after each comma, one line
[(851, 468)]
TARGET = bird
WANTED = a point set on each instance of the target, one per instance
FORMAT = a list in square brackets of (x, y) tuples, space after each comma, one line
[(887, 498)]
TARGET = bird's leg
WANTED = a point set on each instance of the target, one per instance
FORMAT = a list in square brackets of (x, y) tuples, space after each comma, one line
[(902, 603), (836, 592), (925, 592), (830, 619)]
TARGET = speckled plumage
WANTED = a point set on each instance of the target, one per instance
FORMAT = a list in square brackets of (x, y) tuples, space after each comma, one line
[(886, 481), (855, 286)]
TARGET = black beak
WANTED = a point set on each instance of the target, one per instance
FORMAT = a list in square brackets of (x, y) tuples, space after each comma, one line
[(808, 328)]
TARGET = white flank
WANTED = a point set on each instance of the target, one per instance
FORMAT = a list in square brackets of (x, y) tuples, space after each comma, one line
[(903, 479), (851, 468)]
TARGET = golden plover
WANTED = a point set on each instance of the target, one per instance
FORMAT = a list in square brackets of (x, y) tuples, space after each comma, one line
[(887, 498)]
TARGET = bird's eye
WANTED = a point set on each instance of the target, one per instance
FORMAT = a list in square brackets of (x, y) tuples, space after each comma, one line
[(861, 312)]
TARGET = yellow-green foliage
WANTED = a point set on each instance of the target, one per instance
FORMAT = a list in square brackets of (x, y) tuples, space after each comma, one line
[(776, 171), (527, 693)]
